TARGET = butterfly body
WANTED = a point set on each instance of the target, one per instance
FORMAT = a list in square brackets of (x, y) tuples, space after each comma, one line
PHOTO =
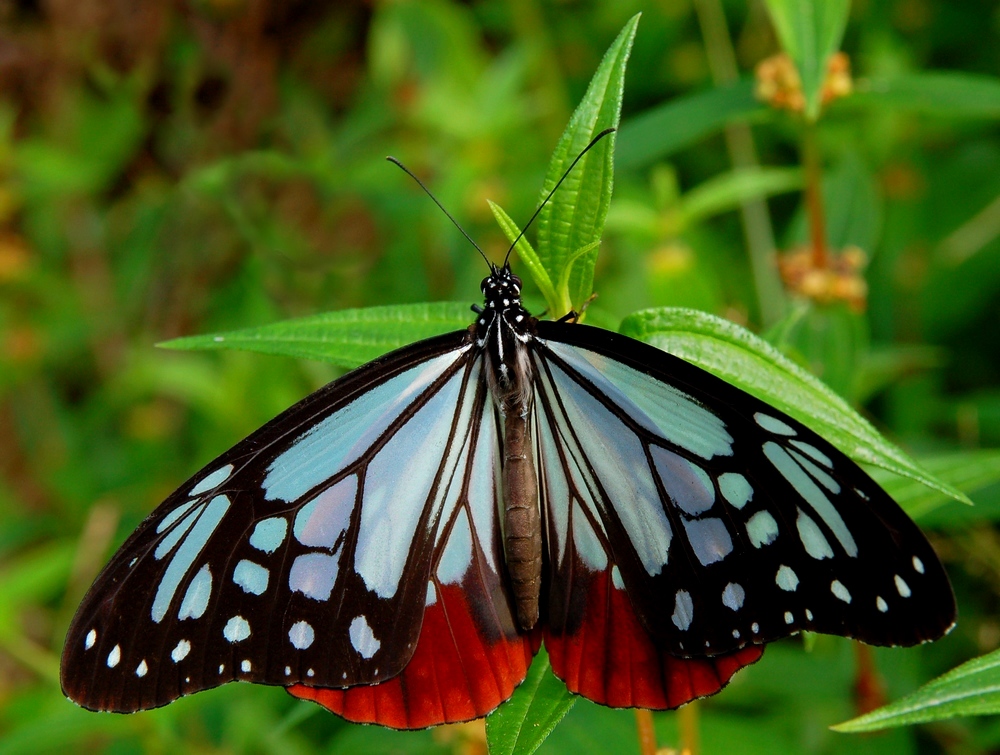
[(502, 331), (398, 544)]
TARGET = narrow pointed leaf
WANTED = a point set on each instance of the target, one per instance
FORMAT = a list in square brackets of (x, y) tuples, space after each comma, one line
[(741, 358), (972, 689), (574, 217), (348, 338)]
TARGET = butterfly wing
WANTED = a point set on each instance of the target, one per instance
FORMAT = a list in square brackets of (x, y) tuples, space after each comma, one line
[(727, 523), (311, 552)]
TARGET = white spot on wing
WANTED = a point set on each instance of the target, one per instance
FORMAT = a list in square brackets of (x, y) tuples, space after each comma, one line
[(114, 656), (881, 604), (901, 587), (363, 638), (90, 639), (141, 669), (918, 565), (616, 578), (788, 617), (180, 652), (683, 610), (786, 578), (838, 589), (245, 666), (809, 615), (301, 635), (762, 529), (237, 629), (733, 596)]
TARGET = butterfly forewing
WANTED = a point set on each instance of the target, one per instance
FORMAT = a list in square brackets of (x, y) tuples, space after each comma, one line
[(303, 554), (729, 522)]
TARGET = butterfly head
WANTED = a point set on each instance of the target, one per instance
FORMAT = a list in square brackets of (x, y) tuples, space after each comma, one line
[(501, 288)]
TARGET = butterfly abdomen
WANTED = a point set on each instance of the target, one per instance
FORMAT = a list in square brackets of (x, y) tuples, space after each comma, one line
[(523, 532)]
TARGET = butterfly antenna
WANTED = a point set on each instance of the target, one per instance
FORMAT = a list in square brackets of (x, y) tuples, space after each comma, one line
[(420, 183), (545, 201)]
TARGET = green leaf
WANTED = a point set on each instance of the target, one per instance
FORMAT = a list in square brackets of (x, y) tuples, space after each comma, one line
[(668, 128), (519, 726), (810, 32), (528, 255), (943, 94), (729, 190), (972, 689), (574, 217), (741, 358), (969, 471), (348, 338)]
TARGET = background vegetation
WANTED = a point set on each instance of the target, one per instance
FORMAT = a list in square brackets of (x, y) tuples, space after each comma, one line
[(173, 168)]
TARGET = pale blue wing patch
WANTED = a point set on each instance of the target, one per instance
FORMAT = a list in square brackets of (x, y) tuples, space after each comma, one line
[(569, 498), (212, 481), (397, 486), (812, 537), (709, 538), (457, 556), (339, 440), (811, 492), (669, 412), (252, 577), (195, 600), (322, 522), (688, 485), (268, 534), (736, 489), (615, 453), (314, 575), (762, 529), (363, 638), (184, 556)]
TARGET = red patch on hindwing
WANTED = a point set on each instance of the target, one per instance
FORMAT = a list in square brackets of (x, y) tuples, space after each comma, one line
[(607, 656), (458, 672)]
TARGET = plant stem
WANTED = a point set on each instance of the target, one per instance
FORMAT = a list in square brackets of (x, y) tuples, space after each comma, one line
[(743, 155), (814, 197), (687, 718), (647, 736)]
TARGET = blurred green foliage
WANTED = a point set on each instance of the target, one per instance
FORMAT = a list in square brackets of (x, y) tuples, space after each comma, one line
[(168, 170)]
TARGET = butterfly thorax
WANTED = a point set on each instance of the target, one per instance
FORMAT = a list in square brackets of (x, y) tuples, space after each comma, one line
[(503, 332)]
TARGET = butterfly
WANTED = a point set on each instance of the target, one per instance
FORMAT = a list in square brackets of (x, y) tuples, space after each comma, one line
[(399, 544)]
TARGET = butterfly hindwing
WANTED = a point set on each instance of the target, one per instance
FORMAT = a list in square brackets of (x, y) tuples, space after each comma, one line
[(595, 641), (305, 553), (729, 522), (470, 655)]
